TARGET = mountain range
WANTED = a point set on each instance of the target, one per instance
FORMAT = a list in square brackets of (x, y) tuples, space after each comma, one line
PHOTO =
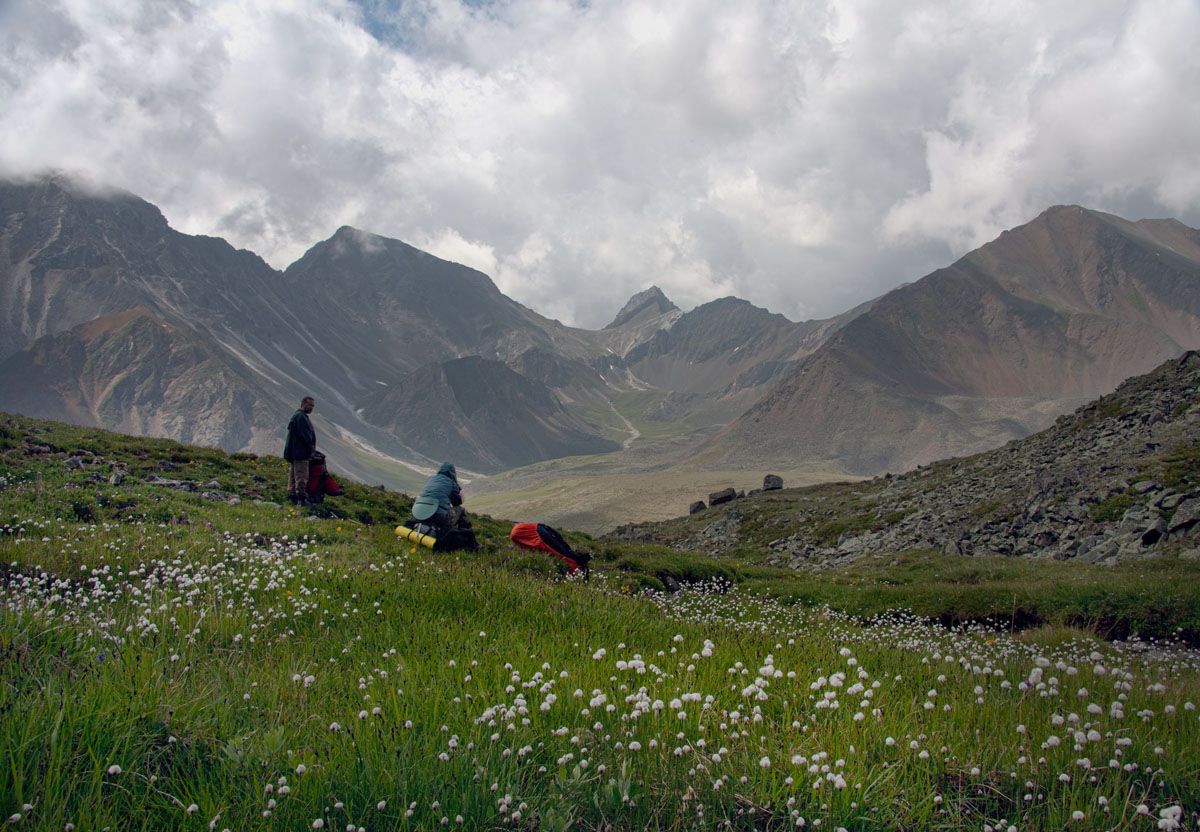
[(994, 347), (111, 318)]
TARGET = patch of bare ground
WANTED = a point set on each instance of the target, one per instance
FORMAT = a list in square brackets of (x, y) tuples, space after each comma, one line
[(598, 502)]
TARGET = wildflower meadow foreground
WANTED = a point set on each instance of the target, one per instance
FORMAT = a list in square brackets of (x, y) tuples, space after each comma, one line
[(264, 669)]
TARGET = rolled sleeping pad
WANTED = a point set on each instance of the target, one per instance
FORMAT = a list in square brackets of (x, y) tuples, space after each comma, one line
[(405, 533)]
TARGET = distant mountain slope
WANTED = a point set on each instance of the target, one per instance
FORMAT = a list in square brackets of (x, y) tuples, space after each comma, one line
[(482, 416), (69, 255), (722, 357), (357, 311), (991, 348), (380, 307), (135, 373)]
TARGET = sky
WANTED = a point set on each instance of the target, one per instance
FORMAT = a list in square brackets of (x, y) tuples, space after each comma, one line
[(806, 155)]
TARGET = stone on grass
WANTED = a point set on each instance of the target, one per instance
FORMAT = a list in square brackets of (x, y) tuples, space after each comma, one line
[(722, 496)]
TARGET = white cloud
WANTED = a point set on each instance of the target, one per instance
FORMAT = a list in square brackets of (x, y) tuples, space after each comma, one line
[(805, 156), (448, 244)]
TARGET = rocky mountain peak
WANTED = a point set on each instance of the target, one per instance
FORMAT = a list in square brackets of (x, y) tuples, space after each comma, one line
[(646, 304)]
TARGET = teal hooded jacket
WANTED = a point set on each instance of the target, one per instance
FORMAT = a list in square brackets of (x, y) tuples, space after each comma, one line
[(440, 493)]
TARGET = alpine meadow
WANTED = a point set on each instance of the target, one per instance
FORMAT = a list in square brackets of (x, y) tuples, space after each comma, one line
[(180, 651)]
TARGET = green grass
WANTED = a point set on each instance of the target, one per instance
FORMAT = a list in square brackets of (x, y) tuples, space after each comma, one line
[(275, 669), (1013, 593)]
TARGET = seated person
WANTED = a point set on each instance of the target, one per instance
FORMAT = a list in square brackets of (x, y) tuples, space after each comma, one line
[(440, 507)]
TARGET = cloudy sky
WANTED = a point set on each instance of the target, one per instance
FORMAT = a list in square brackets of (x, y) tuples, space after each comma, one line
[(804, 155)]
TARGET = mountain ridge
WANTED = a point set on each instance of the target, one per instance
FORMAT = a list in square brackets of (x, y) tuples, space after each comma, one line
[(991, 347), (969, 356)]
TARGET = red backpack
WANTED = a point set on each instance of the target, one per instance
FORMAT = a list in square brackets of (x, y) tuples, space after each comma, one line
[(320, 481), (542, 538)]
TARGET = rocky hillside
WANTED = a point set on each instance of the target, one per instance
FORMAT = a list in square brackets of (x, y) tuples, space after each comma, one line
[(1118, 479), (994, 347)]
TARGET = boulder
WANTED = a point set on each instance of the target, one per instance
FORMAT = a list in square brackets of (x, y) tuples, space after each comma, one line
[(1187, 516), (1104, 549), (772, 482), (178, 485), (1155, 531), (722, 496), (1169, 499), (1044, 539), (696, 507)]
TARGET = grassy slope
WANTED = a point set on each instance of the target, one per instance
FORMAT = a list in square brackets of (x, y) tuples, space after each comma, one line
[(1156, 598), (164, 651)]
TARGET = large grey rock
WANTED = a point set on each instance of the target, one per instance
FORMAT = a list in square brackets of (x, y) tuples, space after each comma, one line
[(772, 482), (1186, 516), (1102, 550), (1169, 499), (1155, 531), (722, 496), (178, 485), (1133, 521), (697, 506)]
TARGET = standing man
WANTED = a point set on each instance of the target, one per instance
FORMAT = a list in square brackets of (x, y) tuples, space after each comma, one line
[(301, 442)]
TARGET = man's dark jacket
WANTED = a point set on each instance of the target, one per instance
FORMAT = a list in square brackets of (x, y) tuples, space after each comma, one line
[(301, 438)]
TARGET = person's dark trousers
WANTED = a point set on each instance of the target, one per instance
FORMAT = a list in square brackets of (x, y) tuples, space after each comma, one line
[(298, 481)]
